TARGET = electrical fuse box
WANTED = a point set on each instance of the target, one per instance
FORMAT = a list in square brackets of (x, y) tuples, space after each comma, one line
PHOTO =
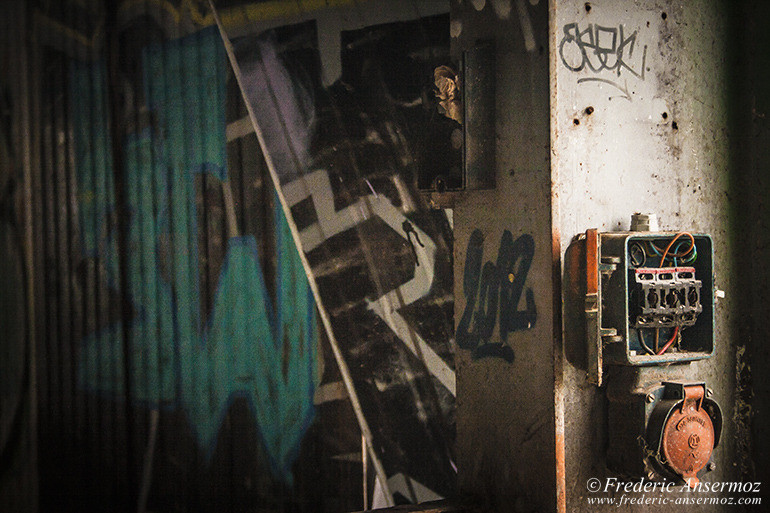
[(649, 298)]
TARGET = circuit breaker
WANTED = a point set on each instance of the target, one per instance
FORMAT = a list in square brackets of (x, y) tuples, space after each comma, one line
[(649, 311)]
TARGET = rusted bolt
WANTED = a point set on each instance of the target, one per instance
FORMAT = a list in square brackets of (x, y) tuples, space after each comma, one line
[(650, 397)]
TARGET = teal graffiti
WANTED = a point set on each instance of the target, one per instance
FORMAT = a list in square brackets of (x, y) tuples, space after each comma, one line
[(250, 347)]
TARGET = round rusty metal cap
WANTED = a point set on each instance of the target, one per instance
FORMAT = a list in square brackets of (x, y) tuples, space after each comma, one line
[(688, 437)]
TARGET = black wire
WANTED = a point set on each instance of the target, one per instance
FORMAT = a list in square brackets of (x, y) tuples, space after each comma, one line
[(640, 333)]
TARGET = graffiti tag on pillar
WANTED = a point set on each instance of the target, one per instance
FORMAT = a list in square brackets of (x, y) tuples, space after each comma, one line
[(493, 293), (601, 50)]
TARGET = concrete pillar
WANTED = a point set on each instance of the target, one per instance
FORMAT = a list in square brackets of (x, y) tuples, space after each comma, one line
[(585, 136), (504, 242)]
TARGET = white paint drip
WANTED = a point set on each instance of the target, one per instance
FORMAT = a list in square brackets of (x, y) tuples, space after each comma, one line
[(479, 4), (526, 26), (455, 28), (502, 8)]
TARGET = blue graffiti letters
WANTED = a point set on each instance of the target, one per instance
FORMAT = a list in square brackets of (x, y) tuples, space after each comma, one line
[(496, 288)]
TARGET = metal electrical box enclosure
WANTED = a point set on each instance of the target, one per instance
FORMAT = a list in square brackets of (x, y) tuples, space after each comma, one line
[(633, 298), (650, 302)]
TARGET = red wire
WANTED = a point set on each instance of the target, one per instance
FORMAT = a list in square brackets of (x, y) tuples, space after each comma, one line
[(662, 261), (668, 344)]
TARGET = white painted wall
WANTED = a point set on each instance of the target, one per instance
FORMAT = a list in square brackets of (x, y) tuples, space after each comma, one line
[(651, 140)]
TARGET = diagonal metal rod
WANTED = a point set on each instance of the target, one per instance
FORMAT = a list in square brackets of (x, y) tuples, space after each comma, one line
[(325, 319)]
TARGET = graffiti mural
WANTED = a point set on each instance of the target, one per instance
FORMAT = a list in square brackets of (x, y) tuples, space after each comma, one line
[(493, 294), (344, 167), (185, 369), (179, 358)]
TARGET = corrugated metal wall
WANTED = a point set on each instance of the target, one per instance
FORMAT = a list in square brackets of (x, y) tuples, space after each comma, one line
[(177, 337), (178, 357), (18, 468)]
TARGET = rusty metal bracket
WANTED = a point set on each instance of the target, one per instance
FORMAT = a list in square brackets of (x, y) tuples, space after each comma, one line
[(693, 397), (592, 308), (596, 335)]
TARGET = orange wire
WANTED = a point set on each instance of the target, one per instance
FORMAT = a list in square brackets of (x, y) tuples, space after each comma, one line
[(662, 261), (677, 255), (665, 253)]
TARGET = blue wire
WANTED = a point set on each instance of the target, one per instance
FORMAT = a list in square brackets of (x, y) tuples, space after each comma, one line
[(688, 260), (692, 257)]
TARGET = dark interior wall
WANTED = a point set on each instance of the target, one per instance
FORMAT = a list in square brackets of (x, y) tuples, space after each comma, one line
[(749, 89), (748, 60), (503, 268), (18, 469)]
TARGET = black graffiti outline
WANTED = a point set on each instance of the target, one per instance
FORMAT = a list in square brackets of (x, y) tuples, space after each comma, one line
[(623, 90), (409, 230), (589, 43), (498, 289), (620, 44)]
